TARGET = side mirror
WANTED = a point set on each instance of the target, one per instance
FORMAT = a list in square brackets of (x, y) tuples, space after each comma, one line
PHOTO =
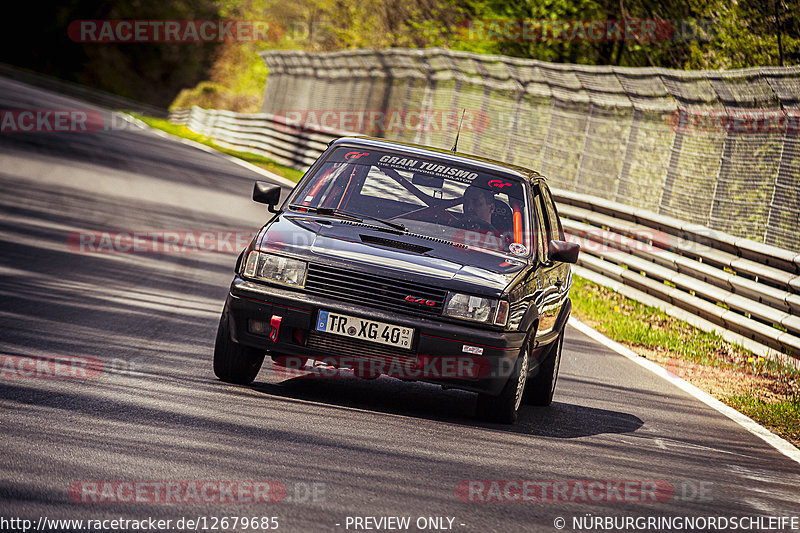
[(563, 251), (267, 193)]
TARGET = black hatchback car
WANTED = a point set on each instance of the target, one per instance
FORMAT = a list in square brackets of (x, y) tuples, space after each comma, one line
[(409, 261)]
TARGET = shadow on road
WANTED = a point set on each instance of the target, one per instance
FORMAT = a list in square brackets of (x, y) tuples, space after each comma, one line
[(422, 400)]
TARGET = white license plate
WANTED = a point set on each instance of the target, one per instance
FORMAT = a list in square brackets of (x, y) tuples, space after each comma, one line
[(368, 330)]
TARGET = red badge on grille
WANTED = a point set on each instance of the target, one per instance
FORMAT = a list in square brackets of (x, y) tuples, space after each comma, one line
[(420, 301)]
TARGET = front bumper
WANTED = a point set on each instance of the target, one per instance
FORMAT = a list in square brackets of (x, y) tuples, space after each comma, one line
[(437, 354)]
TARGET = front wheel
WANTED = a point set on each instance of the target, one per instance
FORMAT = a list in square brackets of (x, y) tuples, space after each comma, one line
[(503, 409), (234, 362), (540, 388)]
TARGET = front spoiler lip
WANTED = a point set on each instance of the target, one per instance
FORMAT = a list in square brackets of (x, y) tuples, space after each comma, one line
[(433, 337)]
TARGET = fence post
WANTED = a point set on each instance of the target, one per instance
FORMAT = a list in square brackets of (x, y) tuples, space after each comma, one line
[(625, 169), (788, 181)]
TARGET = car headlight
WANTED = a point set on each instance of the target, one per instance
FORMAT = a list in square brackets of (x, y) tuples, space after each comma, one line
[(476, 308), (275, 268)]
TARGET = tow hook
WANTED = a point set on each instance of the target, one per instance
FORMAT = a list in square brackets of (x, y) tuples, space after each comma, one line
[(275, 324)]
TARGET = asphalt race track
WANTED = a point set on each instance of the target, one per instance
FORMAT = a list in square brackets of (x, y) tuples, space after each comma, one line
[(149, 409)]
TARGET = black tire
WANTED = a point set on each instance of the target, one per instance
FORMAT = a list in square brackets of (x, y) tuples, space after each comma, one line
[(233, 362), (540, 388), (504, 408)]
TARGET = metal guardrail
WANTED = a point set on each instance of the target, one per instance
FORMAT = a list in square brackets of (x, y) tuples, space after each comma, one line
[(259, 133), (747, 291)]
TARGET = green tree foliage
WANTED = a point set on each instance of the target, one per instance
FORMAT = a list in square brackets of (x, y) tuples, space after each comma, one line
[(691, 34), (148, 72), (747, 34)]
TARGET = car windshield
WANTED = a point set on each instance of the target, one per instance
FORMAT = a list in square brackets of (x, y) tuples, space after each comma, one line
[(432, 198)]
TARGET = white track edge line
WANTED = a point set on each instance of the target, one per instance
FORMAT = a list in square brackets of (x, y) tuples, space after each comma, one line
[(783, 446)]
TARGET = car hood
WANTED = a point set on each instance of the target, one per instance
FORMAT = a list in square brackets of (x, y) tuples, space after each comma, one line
[(365, 247)]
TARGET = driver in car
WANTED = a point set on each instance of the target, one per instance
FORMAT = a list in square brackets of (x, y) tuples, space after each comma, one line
[(478, 208)]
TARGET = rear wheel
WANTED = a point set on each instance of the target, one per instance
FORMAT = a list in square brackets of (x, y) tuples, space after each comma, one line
[(540, 388), (503, 409), (233, 362)]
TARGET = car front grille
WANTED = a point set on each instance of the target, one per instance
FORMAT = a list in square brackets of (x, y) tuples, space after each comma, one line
[(373, 291)]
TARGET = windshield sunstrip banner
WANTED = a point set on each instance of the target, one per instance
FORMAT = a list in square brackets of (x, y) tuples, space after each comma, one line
[(437, 169)]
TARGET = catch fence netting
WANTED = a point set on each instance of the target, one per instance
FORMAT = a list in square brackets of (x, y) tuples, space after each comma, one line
[(717, 148)]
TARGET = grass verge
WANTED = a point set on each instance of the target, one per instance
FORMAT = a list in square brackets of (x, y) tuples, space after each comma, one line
[(258, 160), (781, 414), (765, 390)]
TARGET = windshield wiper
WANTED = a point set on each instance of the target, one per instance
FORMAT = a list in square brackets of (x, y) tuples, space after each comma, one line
[(395, 225), (329, 211)]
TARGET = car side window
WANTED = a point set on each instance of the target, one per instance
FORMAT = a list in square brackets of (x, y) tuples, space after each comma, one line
[(327, 189), (539, 227), (555, 231)]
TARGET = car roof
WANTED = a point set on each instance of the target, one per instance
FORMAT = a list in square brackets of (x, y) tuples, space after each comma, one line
[(523, 173)]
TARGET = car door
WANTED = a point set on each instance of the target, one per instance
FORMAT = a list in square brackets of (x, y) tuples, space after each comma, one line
[(551, 275)]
